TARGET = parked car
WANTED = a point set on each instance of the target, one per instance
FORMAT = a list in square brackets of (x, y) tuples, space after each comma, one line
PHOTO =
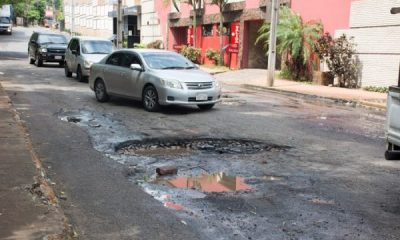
[(6, 16), (82, 52), (46, 47), (393, 124), (155, 77)]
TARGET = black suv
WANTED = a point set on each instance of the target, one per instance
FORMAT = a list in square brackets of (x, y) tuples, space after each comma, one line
[(46, 47)]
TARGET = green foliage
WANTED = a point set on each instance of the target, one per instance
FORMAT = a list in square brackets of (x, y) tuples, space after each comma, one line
[(296, 39), (376, 89), (285, 74), (191, 53), (139, 45), (33, 15), (213, 55), (339, 56), (60, 16)]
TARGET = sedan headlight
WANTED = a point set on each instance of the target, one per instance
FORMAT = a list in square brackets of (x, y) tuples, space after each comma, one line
[(216, 84), (171, 83), (87, 64), (43, 50)]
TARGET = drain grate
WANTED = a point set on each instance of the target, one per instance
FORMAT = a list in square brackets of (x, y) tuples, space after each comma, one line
[(190, 146)]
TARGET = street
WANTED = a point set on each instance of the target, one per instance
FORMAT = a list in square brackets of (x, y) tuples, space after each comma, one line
[(291, 168)]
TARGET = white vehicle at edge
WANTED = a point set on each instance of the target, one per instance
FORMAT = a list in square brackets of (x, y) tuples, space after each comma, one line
[(393, 124), (6, 15)]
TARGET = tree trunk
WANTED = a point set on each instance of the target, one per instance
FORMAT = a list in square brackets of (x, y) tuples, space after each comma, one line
[(221, 37)]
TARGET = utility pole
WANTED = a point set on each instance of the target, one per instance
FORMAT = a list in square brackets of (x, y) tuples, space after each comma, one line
[(119, 24), (272, 43)]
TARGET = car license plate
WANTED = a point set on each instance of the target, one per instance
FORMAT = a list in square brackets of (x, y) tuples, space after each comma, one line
[(201, 97), (57, 57)]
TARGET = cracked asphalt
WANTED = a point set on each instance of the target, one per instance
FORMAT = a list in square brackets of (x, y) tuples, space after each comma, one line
[(331, 182)]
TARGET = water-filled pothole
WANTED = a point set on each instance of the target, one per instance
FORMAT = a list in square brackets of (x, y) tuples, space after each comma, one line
[(217, 182), (159, 147)]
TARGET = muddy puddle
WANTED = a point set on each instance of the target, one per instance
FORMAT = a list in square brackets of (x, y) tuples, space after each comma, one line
[(216, 182), (191, 146)]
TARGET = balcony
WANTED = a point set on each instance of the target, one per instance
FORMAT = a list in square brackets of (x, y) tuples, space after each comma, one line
[(235, 6), (174, 15), (200, 12), (264, 3)]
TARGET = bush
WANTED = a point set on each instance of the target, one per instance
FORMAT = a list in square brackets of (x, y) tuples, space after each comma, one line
[(155, 45), (139, 45), (191, 53), (340, 56), (376, 89), (213, 55), (286, 74)]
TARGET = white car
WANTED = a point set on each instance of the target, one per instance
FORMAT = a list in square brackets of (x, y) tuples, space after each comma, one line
[(82, 52)]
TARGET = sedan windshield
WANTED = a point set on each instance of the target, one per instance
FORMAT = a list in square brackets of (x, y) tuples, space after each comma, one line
[(60, 39), (97, 47), (167, 61), (5, 20)]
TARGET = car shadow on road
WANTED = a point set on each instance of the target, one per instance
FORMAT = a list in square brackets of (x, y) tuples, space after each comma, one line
[(167, 110)]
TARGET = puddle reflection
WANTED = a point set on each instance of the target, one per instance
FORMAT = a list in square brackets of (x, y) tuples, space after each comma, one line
[(217, 182)]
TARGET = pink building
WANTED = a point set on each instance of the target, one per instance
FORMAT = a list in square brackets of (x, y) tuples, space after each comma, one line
[(334, 14), (242, 19)]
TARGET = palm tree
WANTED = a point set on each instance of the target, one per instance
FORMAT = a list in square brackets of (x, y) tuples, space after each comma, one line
[(221, 5), (295, 39), (174, 2)]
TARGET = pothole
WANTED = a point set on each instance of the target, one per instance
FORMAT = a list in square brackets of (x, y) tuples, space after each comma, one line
[(72, 119), (216, 182), (162, 147)]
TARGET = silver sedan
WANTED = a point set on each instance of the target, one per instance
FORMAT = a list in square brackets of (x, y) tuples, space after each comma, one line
[(155, 77)]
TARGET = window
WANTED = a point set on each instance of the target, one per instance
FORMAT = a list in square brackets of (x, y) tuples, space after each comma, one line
[(128, 58), (207, 30), (96, 47), (167, 61), (114, 59), (73, 45), (50, 38), (226, 29)]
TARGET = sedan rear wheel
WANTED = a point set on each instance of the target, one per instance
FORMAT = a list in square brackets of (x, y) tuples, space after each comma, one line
[(101, 91), (150, 99)]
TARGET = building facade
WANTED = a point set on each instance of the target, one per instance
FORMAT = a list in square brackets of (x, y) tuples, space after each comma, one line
[(90, 17), (376, 34)]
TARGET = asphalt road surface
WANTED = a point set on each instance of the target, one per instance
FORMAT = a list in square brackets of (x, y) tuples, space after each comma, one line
[(317, 170)]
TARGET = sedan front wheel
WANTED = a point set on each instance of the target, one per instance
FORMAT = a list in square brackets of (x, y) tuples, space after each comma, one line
[(150, 99)]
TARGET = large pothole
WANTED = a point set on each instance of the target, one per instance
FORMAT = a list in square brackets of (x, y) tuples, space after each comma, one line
[(154, 147)]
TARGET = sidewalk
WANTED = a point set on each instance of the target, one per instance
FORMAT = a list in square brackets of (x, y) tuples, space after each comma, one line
[(256, 79), (27, 210)]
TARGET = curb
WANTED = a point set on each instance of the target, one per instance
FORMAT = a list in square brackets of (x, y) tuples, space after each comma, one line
[(341, 101), (41, 182)]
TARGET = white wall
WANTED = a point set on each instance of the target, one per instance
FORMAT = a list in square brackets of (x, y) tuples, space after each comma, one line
[(376, 34), (150, 28)]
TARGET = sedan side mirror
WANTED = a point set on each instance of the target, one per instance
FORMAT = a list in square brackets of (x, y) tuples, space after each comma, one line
[(136, 67)]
